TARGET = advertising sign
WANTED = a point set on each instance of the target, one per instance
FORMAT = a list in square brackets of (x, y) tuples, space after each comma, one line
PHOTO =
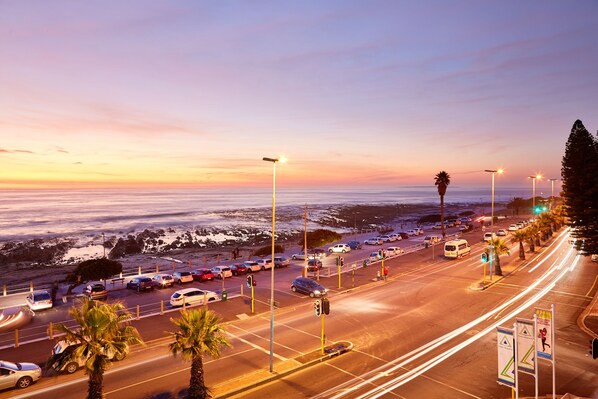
[(544, 334), (526, 350), (506, 354)]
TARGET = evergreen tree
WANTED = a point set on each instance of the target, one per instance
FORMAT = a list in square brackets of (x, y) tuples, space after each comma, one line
[(580, 186)]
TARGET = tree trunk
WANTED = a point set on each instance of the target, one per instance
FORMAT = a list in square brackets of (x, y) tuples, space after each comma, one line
[(521, 251), (497, 269), (442, 215), (532, 246), (94, 385), (197, 388)]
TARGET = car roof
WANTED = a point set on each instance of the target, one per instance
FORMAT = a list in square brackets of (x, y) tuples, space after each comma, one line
[(187, 290)]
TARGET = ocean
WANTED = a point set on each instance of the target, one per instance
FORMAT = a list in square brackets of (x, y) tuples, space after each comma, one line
[(27, 214)]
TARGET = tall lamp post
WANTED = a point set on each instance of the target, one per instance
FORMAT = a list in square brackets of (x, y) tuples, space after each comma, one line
[(499, 171), (538, 176), (274, 161), (552, 193)]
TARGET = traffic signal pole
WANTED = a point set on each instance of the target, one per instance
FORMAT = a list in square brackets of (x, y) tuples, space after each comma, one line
[(252, 299), (323, 336)]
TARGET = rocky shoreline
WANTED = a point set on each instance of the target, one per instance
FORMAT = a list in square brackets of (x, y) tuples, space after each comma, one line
[(53, 258)]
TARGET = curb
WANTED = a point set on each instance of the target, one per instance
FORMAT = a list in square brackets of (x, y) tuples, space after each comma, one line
[(333, 350)]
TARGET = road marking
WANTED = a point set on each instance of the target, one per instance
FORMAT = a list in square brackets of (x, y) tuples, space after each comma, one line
[(257, 346)]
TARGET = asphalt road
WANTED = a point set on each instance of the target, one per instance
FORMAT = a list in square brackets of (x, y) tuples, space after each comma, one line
[(405, 331)]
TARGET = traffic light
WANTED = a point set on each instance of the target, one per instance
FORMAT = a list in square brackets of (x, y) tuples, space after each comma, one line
[(250, 281), (594, 348), (325, 306), (342, 261), (484, 257), (338, 260), (318, 307)]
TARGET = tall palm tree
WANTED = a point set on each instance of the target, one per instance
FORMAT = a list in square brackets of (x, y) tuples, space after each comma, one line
[(500, 248), (103, 333), (200, 332), (520, 236), (533, 232), (442, 182)]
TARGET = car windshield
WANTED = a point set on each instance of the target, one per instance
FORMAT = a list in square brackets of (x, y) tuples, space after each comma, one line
[(145, 280), (42, 296), (176, 295), (185, 273), (450, 247)]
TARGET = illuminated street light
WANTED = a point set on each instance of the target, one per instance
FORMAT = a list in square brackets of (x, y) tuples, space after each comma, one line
[(538, 176), (499, 171), (274, 161)]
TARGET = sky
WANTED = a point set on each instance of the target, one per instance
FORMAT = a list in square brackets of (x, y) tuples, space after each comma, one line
[(354, 93)]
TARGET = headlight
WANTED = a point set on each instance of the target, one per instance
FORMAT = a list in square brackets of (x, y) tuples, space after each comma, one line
[(317, 292)]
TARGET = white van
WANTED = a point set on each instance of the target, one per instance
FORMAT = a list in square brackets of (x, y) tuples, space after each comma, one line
[(431, 240), (456, 249)]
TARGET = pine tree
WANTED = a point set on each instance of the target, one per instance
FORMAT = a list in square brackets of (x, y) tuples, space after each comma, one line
[(580, 186)]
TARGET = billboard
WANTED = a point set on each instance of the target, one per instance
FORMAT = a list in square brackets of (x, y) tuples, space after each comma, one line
[(506, 355), (544, 335)]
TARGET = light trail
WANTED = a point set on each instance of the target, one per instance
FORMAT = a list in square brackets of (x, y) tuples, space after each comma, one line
[(382, 371)]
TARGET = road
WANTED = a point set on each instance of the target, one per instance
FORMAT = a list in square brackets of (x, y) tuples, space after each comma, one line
[(421, 333)]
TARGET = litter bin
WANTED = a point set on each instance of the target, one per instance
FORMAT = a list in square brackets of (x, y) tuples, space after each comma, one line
[(224, 296)]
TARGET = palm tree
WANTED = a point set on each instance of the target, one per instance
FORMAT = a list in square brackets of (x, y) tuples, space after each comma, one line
[(520, 236), (533, 232), (200, 332), (103, 333), (500, 248), (442, 181)]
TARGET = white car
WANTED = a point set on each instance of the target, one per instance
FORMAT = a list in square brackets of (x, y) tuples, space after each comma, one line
[(39, 300), (163, 280), (397, 237), (298, 256), (393, 251), (432, 239), (387, 238), (265, 263), (182, 277), (489, 236), (501, 232), (373, 241), (222, 272), (339, 248), (192, 296), (19, 375), (413, 232), (252, 266)]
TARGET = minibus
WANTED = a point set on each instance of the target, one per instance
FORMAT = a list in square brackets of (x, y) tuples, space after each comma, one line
[(456, 248)]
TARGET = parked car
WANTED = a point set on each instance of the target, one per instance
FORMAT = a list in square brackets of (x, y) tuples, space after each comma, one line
[(96, 291), (501, 232), (404, 235), (316, 253), (265, 263), (373, 241), (387, 238), (39, 300), (163, 280), (594, 257), (62, 359), (413, 232), (238, 269), (393, 251), (192, 296), (19, 375), (182, 277), (396, 236), (375, 256), (202, 275), (222, 272), (298, 256), (489, 236), (308, 286), (313, 265), (520, 225), (354, 245), (419, 230), (437, 225), (140, 284), (339, 248), (513, 227), (252, 266), (432, 239), (281, 261)]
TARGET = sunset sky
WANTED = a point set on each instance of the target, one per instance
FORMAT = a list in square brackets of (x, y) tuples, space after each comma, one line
[(354, 93)]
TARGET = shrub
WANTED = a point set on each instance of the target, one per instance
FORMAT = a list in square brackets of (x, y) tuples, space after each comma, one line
[(96, 269), (320, 237), (267, 250)]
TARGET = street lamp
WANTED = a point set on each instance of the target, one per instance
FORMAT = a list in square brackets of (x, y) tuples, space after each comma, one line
[(538, 176), (273, 160), (499, 171)]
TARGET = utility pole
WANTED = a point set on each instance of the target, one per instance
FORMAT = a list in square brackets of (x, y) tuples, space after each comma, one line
[(304, 274)]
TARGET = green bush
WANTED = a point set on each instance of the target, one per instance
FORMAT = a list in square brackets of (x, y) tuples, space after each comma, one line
[(320, 237), (267, 250), (96, 269)]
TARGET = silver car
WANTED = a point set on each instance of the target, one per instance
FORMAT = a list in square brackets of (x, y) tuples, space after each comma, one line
[(19, 375)]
